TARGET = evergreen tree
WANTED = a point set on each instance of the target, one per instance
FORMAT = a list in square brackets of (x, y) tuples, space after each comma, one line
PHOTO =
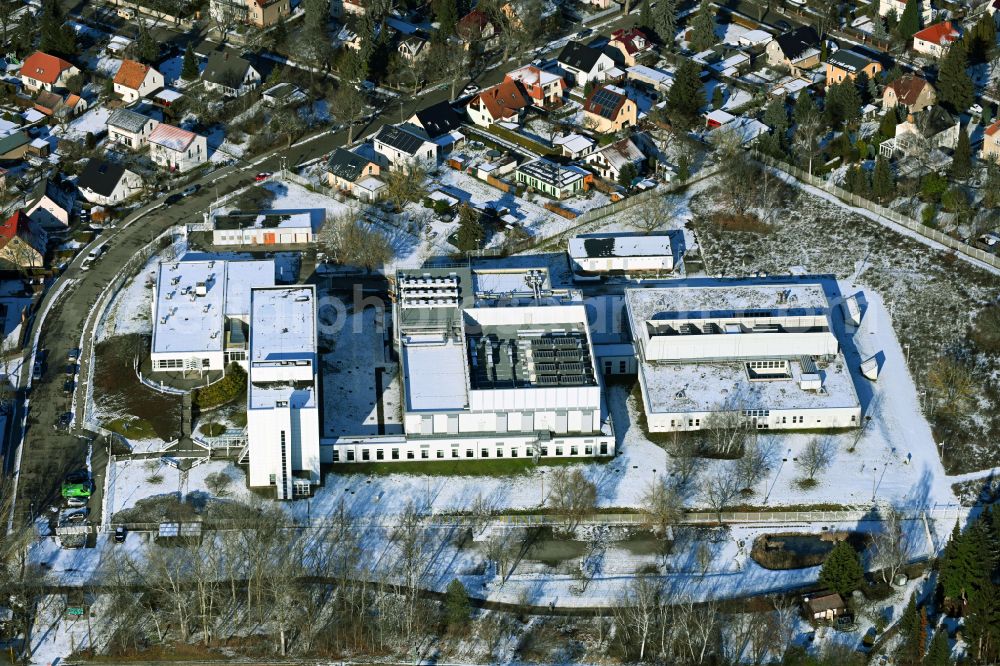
[(982, 624), (883, 180), (446, 14), (955, 89), (718, 98), (891, 20), (645, 15), (961, 162), (861, 84), (842, 572), (627, 174), (912, 648), (981, 40), (856, 181), (686, 95), (470, 232), (909, 22), (703, 28), (843, 104), (878, 26), (805, 107), (146, 49), (456, 605), (776, 117), (665, 21), (967, 563), (189, 69), (887, 126), (684, 167), (939, 653), (57, 37)]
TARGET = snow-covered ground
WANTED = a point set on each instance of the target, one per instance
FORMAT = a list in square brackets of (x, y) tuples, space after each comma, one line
[(94, 121), (130, 481)]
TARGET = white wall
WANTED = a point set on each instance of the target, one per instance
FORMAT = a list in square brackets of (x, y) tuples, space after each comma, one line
[(460, 448), (739, 345)]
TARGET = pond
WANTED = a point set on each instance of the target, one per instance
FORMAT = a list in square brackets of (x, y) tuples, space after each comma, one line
[(552, 552), (644, 543), (793, 550)]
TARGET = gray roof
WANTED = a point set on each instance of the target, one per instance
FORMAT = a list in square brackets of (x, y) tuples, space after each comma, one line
[(406, 138), (347, 165), (130, 121), (100, 176), (13, 141), (848, 60), (226, 68)]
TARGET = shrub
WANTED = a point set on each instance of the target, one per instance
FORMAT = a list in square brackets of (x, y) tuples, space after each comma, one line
[(986, 331), (233, 385), (212, 429)]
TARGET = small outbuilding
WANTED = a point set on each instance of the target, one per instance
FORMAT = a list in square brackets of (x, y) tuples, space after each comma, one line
[(823, 607)]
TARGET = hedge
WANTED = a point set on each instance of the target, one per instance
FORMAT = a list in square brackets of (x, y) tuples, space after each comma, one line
[(227, 389)]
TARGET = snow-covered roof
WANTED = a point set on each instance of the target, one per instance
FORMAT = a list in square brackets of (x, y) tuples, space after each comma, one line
[(190, 298), (172, 138), (574, 143), (620, 245), (282, 323), (701, 387), (241, 277), (650, 74), (434, 374), (755, 37), (299, 218), (645, 304)]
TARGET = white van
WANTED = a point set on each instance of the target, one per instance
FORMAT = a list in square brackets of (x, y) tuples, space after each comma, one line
[(93, 256), (126, 13)]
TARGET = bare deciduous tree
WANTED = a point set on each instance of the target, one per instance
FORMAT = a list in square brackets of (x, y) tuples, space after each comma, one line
[(662, 504), (756, 461), (951, 383), (890, 546), (571, 494), (655, 212), (637, 612), (817, 455), (718, 490), (347, 105)]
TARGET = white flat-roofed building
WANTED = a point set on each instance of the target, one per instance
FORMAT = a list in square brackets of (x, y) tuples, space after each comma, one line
[(269, 227), (282, 400), (768, 351), (494, 364), (201, 313), (621, 253)]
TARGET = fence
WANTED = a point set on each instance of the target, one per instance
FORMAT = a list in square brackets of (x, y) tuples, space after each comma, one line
[(886, 213)]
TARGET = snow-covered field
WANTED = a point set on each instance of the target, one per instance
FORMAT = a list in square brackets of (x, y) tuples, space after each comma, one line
[(94, 121)]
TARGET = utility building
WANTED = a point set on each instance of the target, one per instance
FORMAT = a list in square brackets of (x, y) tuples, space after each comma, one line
[(493, 365), (282, 391), (766, 351)]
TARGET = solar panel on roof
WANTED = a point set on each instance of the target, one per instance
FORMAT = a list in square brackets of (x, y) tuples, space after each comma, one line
[(545, 368), (548, 379)]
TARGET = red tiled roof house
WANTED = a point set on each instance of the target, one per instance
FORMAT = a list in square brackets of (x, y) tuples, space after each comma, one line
[(502, 102), (22, 242), (935, 39), (991, 143), (42, 71), (913, 92), (177, 149), (135, 80)]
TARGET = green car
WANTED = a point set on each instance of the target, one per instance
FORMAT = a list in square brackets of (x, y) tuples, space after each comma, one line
[(77, 489)]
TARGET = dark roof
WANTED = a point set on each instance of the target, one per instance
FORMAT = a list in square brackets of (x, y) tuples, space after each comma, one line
[(130, 121), (438, 119), (406, 137), (13, 141), (345, 164), (606, 102), (615, 54), (226, 67), (100, 176), (796, 42), (57, 191), (579, 56), (848, 60)]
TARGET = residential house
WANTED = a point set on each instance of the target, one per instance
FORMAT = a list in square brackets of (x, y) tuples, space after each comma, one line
[(823, 607), (657, 79), (543, 88), (584, 64), (135, 80), (59, 106), (177, 149), (505, 101), (51, 205), (42, 71), (346, 168), (107, 183), (412, 49), (340, 8), (935, 39), (477, 31), (349, 39), (991, 143), (14, 145), (847, 64), (229, 73), (265, 13), (609, 109), (911, 91), (926, 11), (633, 43), (405, 145), (129, 128), (551, 179), (610, 160), (797, 49), (283, 94), (931, 129), (22, 243), (574, 146), (437, 120)]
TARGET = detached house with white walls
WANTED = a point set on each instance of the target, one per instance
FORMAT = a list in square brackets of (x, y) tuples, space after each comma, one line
[(405, 145), (230, 74), (130, 129), (107, 183), (135, 80), (177, 149), (41, 71)]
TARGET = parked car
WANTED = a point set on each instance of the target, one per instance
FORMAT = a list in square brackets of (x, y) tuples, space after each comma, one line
[(73, 355), (261, 177), (470, 89), (783, 25), (75, 516), (586, 32), (82, 489), (71, 369), (64, 422), (172, 199), (36, 370), (68, 386), (76, 502), (976, 109), (120, 534), (191, 189)]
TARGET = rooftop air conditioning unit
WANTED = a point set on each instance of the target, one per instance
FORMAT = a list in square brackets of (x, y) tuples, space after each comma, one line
[(201, 289)]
